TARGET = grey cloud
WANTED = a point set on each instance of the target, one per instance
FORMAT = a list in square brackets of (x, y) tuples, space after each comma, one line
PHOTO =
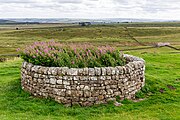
[(67, 1), (151, 6), (17, 1), (39, 1), (34, 4), (121, 1), (161, 6), (98, 8)]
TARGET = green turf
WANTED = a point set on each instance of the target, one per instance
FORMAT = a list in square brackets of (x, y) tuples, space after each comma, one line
[(162, 69)]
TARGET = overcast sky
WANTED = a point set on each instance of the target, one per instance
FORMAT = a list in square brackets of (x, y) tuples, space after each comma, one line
[(153, 9)]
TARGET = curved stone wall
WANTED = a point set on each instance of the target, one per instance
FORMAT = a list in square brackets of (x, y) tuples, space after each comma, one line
[(84, 86)]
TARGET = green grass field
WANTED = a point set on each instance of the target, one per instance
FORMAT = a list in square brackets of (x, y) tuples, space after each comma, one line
[(114, 35), (162, 74)]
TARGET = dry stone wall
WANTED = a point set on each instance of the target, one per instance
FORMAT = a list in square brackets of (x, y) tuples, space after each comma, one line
[(84, 86)]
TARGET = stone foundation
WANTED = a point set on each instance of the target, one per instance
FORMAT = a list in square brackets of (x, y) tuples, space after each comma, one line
[(84, 86)]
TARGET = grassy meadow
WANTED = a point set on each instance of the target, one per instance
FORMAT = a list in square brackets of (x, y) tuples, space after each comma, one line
[(161, 93), (113, 35)]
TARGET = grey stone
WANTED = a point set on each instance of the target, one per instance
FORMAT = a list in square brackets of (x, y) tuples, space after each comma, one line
[(68, 87), (109, 91), (108, 77), (43, 70), (93, 78), (86, 88), (125, 80), (92, 88), (79, 93), (78, 87), (117, 93), (39, 80), (128, 68), (76, 78), (102, 77), (100, 97), (29, 66), (46, 80), (35, 69), (85, 71), (103, 71), (72, 71), (91, 71), (70, 78), (24, 64), (65, 78), (80, 71), (64, 70), (86, 104), (117, 77), (52, 81), (68, 93), (113, 70), (97, 71), (111, 99), (59, 71), (120, 70), (54, 71), (59, 82), (131, 64), (91, 99), (36, 75), (82, 86), (87, 93), (108, 70), (124, 69), (65, 82), (107, 87), (117, 104), (84, 78), (49, 72)]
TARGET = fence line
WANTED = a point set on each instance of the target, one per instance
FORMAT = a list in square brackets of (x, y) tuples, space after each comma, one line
[(132, 37)]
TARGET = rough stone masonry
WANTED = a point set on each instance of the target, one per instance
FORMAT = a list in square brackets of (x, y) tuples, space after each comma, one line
[(84, 86)]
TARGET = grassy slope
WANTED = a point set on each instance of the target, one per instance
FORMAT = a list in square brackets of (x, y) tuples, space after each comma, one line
[(162, 69), (10, 39)]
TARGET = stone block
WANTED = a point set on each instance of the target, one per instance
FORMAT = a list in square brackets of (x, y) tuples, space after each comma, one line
[(97, 71), (72, 71), (52, 81), (91, 71), (85, 71), (103, 70), (59, 82), (64, 70)]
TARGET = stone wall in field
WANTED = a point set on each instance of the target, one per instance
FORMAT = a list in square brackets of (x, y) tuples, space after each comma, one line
[(84, 86)]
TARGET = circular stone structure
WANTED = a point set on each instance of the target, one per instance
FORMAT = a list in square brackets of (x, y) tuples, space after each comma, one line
[(84, 86)]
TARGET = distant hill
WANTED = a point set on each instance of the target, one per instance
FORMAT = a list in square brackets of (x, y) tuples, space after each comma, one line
[(73, 20), (9, 21), (3, 21)]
